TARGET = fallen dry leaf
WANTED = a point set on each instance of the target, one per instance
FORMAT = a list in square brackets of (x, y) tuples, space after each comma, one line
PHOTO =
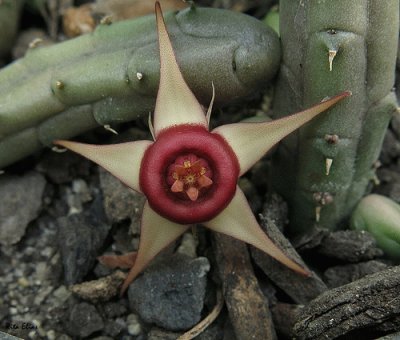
[(78, 20), (126, 9)]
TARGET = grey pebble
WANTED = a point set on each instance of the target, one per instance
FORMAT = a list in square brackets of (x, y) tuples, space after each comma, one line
[(171, 293), (395, 125), (120, 202), (390, 148), (340, 275), (80, 238), (133, 324), (113, 328), (84, 320), (350, 246), (23, 195), (114, 309)]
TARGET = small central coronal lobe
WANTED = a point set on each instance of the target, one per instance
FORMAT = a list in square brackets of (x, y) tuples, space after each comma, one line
[(189, 176)]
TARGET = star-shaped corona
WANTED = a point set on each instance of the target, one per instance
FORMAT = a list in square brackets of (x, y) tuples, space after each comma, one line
[(188, 173)]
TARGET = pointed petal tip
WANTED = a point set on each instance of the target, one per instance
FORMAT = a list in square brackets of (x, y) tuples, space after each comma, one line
[(238, 221), (153, 240), (348, 93), (339, 96), (175, 103), (61, 142), (124, 287), (157, 9), (344, 94), (297, 268)]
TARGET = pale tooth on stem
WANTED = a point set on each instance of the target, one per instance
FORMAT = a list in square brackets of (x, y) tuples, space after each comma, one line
[(317, 213), (331, 56), (328, 164)]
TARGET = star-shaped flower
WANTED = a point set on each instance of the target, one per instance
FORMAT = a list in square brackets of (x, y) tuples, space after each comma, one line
[(188, 173)]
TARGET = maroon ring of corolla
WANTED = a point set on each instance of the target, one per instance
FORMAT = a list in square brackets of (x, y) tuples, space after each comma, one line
[(181, 140)]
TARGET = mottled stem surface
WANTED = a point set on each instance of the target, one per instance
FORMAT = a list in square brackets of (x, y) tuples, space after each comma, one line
[(329, 46)]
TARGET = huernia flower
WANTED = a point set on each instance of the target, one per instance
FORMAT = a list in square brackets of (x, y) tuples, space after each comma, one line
[(188, 173)]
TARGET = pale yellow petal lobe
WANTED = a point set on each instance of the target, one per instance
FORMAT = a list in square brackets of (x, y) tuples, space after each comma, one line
[(251, 141), (122, 160), (176, 104), (238, 221), (156, 234)]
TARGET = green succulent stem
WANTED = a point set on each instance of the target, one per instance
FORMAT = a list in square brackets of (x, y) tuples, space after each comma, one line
[(329, 46), (380, 216), (112, 75)]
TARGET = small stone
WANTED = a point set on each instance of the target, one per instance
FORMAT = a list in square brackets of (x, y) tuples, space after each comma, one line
[(21, 194), (349, 246), (42, 294), (171, 292), (394, 192), (387, 175), (395, 125), (47, 252), (23, 282), (114, 309), (188, 245), (41, 270), (13, 310), (80, 237), (311, 239), (51, 335), (3, 309), (64, 167), (84, 320), (275, 209), (390, 148), (102, 289), (341, 275), (62, 294), (134, 326), (100, 270), (251, 193), (113, 328), (80, 187), (120, 202)]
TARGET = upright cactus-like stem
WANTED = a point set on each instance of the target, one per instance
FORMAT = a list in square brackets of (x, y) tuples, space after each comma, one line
[(331, 46)]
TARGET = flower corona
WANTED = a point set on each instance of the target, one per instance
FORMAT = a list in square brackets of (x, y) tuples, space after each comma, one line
[(166, 158)]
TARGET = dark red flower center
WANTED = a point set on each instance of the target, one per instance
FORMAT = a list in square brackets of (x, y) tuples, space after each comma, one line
[(188, 174)]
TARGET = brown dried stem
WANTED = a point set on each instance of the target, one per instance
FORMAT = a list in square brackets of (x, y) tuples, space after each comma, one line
[(247, 306)]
